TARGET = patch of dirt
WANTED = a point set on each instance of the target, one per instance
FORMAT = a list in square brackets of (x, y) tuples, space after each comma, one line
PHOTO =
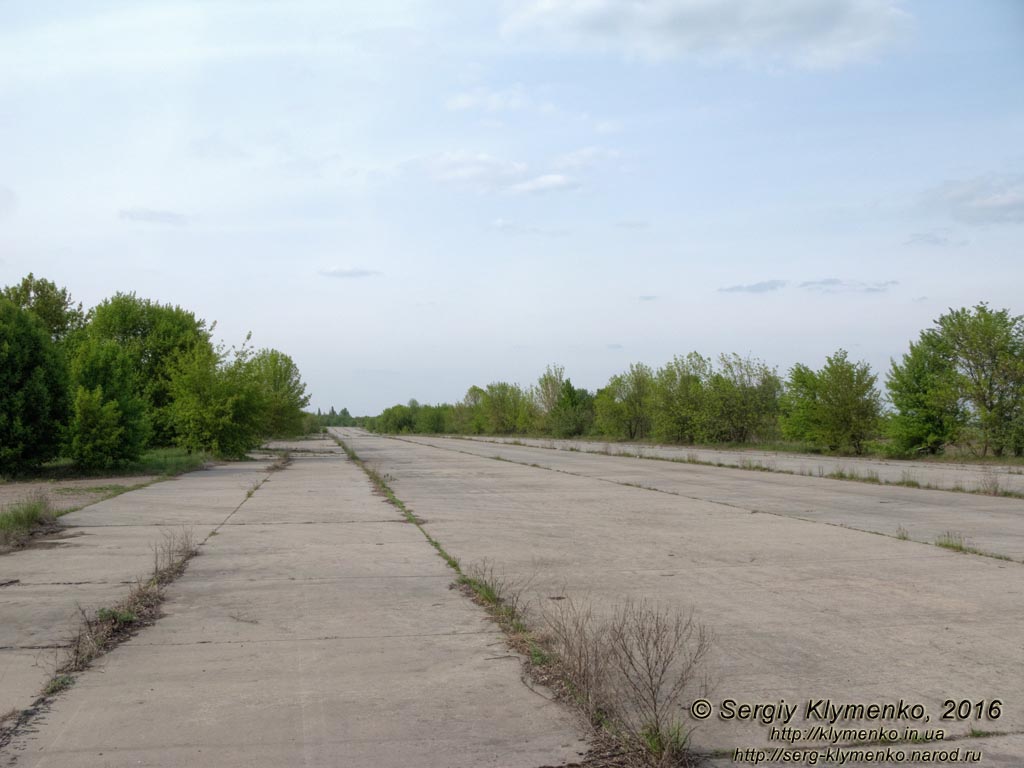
[(70, 494)]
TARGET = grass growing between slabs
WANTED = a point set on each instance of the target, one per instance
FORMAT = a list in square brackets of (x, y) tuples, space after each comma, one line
[(628, 673), (18, 521), (100, 632)]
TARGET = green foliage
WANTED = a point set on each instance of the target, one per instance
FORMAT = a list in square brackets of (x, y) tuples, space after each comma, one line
[(624, 406), (924, 390), (95, 434), (216, 403), (33, 390), (19, 519), (109, 423), (154, 336), (837, 408), (679, 406), (283, 392), (985, 348), (547, 395), (52, 305), (468, 415), (573, 412)]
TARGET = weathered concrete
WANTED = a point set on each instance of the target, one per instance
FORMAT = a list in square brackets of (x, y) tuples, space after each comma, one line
[(316, 628), (99, 552), (940, 474), (800, 610), (990, 524)]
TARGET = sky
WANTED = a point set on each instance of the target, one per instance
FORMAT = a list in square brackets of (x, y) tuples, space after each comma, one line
[(412, 197)]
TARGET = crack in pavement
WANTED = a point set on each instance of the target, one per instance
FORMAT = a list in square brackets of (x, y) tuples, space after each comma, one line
[(269, 640)]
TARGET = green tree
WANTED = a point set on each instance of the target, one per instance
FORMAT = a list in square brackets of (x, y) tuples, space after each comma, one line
[(837, 407), (155, 336), (986, 349), (573, 412), (52, 305), (741, 400), (678, 402), (468, 415), (925, 392), (547, 394), (33, 390), (95, 434), (283, 392), (216, 404), (624, 405), (109, 421)]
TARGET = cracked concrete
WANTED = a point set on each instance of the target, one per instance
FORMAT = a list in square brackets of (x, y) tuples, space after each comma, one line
[(800, 609), (991, 524), (316, 644), (99, 551), (945, 475)]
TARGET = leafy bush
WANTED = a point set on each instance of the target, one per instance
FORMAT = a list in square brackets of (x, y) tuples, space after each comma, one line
[(33, 391)]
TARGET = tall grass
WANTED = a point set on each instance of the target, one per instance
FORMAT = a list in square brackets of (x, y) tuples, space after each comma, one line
[(17, 521)]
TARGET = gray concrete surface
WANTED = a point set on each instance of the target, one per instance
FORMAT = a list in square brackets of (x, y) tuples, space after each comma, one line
[(316, 628), (990, 524), (940, 474), (799, 610), (91, 562)]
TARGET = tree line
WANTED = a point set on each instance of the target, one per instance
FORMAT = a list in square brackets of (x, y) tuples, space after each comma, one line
[(960, 384), (99, 387)]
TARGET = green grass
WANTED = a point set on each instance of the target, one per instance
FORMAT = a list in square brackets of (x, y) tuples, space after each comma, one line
[(165, 462), (17, 521), (57, 684), (954, 541)]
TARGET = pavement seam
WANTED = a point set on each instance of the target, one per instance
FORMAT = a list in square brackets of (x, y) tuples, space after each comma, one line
[(779, 515)]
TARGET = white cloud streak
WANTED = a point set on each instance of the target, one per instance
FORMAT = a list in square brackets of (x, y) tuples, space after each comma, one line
[(992, 199), (806, 33)]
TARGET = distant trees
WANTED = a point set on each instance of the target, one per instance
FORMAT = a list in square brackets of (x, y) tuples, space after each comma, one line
[(623, 407), (228, 401), (928, 410), (33, 390), (99, 387), (960, 383), (963, 378), (837, 407)]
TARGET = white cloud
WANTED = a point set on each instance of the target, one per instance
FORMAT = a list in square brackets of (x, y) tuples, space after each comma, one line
[(938, 238), (586, 157), (152, 216), (548, 182), (348, 273), (835, 285), (810, 33), (993, 199), (490, 100), (475, 167), (765, 286)]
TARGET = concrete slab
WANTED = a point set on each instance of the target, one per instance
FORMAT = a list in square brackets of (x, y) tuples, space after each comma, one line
[(991, 524), (941, 474), (99, 552), (315, 628), (800, 610)]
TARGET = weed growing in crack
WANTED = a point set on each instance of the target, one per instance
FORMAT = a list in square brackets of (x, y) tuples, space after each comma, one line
[(20, 520), (109, 626)]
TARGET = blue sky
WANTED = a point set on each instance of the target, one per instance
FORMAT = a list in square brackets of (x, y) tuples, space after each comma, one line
[(412, 197)]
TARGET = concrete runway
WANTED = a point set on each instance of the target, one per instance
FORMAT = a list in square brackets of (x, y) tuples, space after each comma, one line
[(316, 628), (800, 609)]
